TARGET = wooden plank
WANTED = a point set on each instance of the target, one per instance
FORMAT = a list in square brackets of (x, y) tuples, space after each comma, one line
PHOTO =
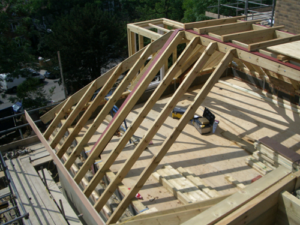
[(141, 45), (181, 209), (129, 42), (251, 36), (153, 47), (173, 23), (57, 195), (130, 101), (201, 184), (40, 192), (209, 23), (277, 158), (290, 206), (41, 161), (88, 112), (261, 203), (172, 189), (227, 28), (61, 167), (231, 180), (144, 32), (176, 131), (277, 41), (133, 42), (74, 113), (289, 49), (244, 45), (262, 62), (158, 27), (237, 200), (38, 213), (147, 107), (62, 112)]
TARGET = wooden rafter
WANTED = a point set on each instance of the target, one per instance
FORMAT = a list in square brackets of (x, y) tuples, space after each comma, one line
[(277, 41), (116, 95), (85, 117), (143, 113), (254, 59), (251, 36), (209, 23), (228, 28), (68, 177), (176, 131), (163, 55), (74, 113), (158, 27), (62, 112)]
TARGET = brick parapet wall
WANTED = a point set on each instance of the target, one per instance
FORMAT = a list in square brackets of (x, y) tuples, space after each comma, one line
[(287, 14)]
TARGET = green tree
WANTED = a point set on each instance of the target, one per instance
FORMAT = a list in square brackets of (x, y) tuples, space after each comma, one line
[(151, 9), (88, 38), (16, 52)]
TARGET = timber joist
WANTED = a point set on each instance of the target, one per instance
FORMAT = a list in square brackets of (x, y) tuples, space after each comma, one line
[(210, 48)]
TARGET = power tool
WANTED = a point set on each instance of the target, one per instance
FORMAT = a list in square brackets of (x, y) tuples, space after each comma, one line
[(203, 124)]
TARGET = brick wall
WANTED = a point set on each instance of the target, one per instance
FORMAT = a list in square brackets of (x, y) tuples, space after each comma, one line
[(287, 13)]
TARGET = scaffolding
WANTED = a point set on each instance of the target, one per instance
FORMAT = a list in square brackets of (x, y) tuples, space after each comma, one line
[(250, 12)]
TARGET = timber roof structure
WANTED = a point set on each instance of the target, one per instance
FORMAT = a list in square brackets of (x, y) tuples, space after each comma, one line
[(85, 125)]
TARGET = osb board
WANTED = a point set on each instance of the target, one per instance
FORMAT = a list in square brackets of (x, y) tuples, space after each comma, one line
[(291, 49)]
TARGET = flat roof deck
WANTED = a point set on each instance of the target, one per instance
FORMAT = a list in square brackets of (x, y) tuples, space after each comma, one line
[(208, 156)]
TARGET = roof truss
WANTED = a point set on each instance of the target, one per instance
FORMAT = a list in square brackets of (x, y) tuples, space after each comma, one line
[(206, 52)]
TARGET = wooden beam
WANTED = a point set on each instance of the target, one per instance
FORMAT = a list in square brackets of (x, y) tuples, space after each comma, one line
[(143, 31), (180, 209), (176, 131), (209, 23), (131, 100), (129, 42), (153, 47), (173, 23), (88, 112), (261, 203), (62, 112), (96, 217), (74, 113), (227, 28), (143, 113), (159, 28), (289, 206), (145, 23), (237, 200), (277, 41), (252, 58), (251, 36)]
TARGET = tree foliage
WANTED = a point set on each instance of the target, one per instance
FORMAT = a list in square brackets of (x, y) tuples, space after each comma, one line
[(87, 38)]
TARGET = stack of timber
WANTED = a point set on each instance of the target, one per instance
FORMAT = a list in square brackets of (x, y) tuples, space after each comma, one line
[(184, 185), (273, 154), (257, 165), (201, 184), (235, 182)]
